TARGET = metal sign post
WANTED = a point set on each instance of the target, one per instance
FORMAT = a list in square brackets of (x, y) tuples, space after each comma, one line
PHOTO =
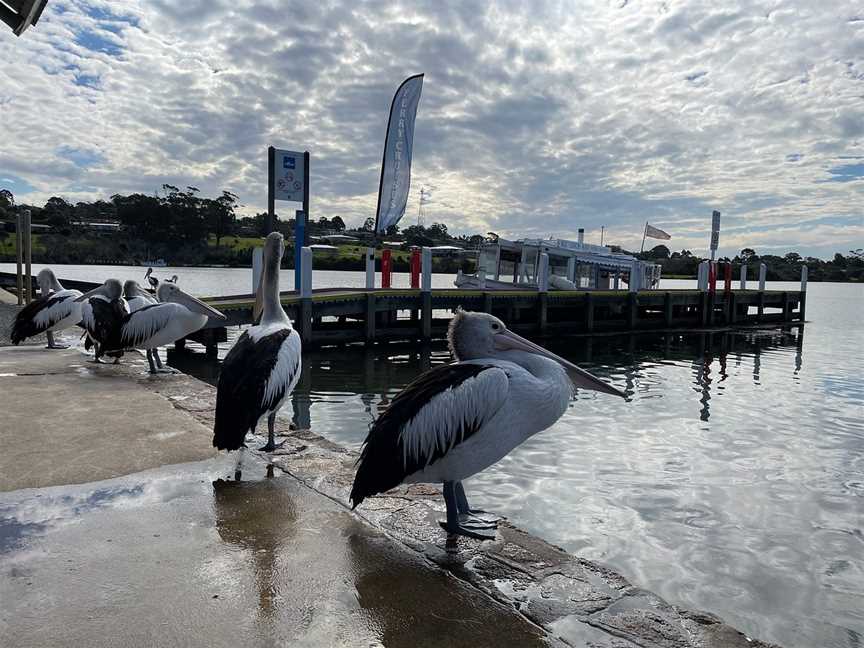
[(288, 179), (715, 232)]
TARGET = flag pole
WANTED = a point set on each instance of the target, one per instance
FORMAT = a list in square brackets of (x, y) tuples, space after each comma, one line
[(644, 234)]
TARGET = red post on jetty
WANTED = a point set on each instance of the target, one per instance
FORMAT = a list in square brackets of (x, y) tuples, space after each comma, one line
[(712, 277), (386, 268), (415, 267), (727, 288)]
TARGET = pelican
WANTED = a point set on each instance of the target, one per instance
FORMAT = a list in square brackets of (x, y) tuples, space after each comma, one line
[(153, 281), (102, 312), (262, 368), (458, 419), (138, 298), (176, 315), (55, 310)]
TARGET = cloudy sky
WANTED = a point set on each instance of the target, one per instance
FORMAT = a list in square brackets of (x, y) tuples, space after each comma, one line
[(536, 118)]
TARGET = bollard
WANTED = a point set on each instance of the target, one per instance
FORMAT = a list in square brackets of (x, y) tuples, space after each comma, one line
[(28, 258), (712, 277), (760, 309), (386, 267), (370, 268), (306, 295), (19, 256), (743, 276), (543, 290), (257, 265), (802, 302), (415, 268), (543, 273), (727, 278), (426, 293)]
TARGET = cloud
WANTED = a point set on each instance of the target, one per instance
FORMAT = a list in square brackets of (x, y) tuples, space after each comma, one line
[(536, 118)]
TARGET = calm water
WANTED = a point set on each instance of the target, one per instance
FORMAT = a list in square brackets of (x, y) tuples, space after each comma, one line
[(731, 481)]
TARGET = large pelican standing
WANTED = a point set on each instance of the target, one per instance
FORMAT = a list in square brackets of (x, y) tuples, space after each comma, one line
[(102, 312), (262, 368), (458, 419), (55, 310), (177, 315)]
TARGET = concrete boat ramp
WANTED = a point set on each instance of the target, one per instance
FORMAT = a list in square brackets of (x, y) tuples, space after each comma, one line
[(119, 525)]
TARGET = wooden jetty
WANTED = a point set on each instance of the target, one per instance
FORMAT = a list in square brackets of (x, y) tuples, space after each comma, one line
[(333, 316)]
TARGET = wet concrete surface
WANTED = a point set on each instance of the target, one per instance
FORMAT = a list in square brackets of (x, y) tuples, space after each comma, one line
[(172, 557), (67, 420), (182, 555)]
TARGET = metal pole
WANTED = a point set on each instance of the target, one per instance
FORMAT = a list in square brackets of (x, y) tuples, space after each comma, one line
[(426, 293), (299, 243), (257, 266), (19, 256), (306, 196), (271, 180), (763, 270), (306, 272), (644, 234), (602, 233), (743, 276), (370, 268), (28, 257), (804, 271), (543, 273)]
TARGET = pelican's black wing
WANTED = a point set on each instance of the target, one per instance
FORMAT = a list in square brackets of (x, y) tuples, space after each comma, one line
[(255, 376), (436, 412), (40, 315)]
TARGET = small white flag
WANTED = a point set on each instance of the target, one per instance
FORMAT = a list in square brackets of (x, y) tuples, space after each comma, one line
[(654, 232)]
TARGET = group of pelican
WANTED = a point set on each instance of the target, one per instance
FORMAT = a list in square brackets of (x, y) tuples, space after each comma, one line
[(452, 422), (115, 317)]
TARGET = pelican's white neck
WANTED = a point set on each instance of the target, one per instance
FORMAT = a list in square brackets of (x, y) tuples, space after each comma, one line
[(272, 311)]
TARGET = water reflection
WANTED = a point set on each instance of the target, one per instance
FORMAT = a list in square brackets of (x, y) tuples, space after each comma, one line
[(410, 605), (261, 518)]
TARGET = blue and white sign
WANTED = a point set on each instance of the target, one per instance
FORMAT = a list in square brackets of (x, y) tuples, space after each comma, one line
[(398, 148), (288, 175)]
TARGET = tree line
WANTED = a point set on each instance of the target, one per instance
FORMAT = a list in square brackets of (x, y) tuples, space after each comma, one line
[(181, 226)]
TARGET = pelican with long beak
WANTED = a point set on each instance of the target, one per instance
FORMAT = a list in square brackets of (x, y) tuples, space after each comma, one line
[(262, 368), (102, 313), (176, 316), (55, 310), (458, 419)]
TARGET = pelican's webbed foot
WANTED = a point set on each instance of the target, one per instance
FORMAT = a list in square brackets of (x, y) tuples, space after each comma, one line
[(271, 446), (460, 520), (468, 530)]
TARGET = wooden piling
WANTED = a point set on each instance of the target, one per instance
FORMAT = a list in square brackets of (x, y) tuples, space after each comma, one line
[(589, 312), (370, 317), (667, 309)]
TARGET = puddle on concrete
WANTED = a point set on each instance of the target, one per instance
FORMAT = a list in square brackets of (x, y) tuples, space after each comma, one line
[(579, 633), (183, 554)]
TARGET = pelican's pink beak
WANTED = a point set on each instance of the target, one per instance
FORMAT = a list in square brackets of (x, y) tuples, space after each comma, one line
[(509, 340)]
